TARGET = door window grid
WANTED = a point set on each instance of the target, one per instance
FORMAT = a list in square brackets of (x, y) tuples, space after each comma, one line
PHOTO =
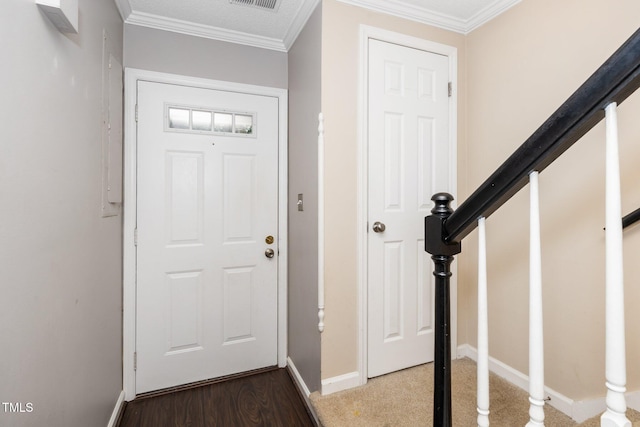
[(199, 120)]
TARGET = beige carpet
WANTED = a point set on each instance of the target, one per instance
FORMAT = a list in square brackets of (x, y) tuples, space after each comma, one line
[(405, 399)]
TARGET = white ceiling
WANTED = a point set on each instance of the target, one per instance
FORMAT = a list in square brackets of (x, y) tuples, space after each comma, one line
[(277, 30)]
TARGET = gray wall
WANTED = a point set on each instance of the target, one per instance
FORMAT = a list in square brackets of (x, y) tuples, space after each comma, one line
[(304, 106), (61, 262), (167, 52)]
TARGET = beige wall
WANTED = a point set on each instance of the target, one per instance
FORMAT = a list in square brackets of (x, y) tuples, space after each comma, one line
[(304, 106), (61, 262), (521, 67), (518, 69), (340, 59)]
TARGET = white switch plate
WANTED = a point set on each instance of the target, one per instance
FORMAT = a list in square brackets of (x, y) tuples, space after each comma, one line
[(62, 13)]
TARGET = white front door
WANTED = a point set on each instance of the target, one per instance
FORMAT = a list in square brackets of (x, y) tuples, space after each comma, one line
[(207, 217), (408, 128)]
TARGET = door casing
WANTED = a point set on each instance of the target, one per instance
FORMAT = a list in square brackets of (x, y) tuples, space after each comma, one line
[(366, 33), (132, 76)]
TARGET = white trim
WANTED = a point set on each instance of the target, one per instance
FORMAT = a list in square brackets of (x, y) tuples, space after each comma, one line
[(124, 7), (116, 410), (579, 411), (362, 207), (299, 21), (517, 378), (283, 218), (411, 12), (321, 223), (366, 33), (201, 30), (488, 13), (132, 76), (217, 33), (128, 228), (423, 15), (302, 387), (390, 7), (340, 383)]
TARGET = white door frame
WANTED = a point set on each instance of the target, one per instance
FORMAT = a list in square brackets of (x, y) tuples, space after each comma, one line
[(366, 33), (132, 76)]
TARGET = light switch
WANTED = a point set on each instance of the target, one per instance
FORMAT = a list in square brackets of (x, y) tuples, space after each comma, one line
[(300, 203)]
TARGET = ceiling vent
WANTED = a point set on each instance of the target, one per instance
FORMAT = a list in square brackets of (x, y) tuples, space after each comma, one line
[(271, 5)]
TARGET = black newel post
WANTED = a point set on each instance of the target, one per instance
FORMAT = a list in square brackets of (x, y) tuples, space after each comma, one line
[(442, 255)]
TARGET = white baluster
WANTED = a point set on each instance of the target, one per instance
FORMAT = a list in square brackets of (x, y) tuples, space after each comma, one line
[(616, 372), (536, 344), (320, 222), (483, 329)]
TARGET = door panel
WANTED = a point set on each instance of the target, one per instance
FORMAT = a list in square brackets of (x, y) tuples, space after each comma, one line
[(408, 144), (207, 198)]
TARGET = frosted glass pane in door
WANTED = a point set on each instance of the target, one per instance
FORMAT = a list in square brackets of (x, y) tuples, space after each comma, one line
[(222, 122), (178, 118), (244, 124), (201, 120)]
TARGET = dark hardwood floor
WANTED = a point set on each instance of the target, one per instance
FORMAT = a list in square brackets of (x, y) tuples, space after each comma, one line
[(264, 399)]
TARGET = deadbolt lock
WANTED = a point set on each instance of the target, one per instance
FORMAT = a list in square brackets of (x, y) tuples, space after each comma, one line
[(269, 240)]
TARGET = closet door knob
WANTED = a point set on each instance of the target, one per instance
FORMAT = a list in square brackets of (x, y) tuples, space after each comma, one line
[(378, 227)]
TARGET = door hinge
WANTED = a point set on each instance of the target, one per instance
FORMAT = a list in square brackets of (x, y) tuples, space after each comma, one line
[(135, 237), (136, 113), (135, 360), (449, 89)]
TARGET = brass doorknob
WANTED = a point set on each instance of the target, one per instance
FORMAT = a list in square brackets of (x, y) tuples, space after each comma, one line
[(378, 227), (269, 253)]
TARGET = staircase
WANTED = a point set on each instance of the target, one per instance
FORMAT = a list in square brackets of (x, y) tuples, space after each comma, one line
[(597, 99)]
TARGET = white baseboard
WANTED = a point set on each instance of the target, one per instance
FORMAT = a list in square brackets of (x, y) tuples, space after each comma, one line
[(341, 382), (302, 387), (579, 411), (116, 410)]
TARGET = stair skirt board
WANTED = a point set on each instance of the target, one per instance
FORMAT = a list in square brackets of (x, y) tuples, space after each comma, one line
[(302, 388), (579, 411)]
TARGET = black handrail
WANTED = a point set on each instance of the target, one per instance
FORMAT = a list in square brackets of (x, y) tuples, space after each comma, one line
[(614, 81), (631, 219)]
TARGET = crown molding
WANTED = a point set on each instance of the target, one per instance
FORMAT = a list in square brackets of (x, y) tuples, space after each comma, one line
[(299, 21), (199, 30), (489, 12), (404, 10), (411, 12), (124, 7), (206, 31), (397, 8)]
